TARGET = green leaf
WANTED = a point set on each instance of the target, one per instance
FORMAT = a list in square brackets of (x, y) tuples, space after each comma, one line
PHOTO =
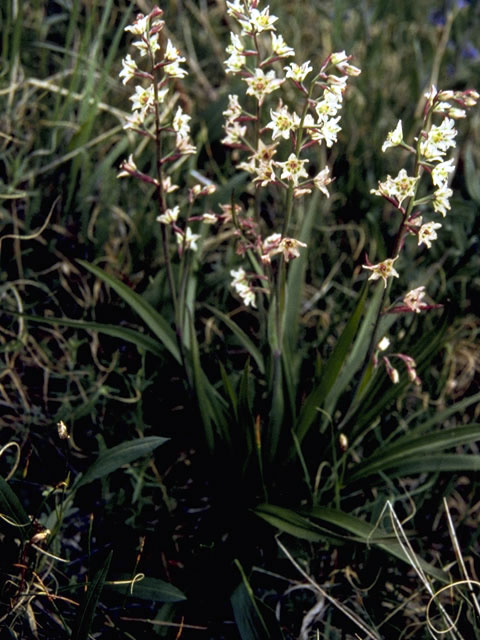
[(137, 338), (453, 462), (227, 385), (382, 393), (409, 448), (300, 524), (440, 417), (89, 603), (242, 337), (154, 320), (11, 507), (254, 620), (358, 353), (152, 589), (290, 522), (112, 459), (296, 277), (277, 410), (370, 534), (332, 369)]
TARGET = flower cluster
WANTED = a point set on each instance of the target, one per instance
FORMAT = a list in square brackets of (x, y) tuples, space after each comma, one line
[(242, 287), (257, 53), (152, 103), (433, 143)]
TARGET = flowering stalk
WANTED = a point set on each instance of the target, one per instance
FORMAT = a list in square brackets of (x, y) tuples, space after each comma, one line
[(259, 42), (171, 139), (432, 144)]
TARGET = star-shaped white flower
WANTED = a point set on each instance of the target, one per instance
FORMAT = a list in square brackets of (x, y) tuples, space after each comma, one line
[(382, 270), (394, 138)]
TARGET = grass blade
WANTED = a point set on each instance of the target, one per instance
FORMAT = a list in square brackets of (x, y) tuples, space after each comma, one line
[(89, 604), (301, 525), (242, 337), (141, 340), (149, 315), (11, 507), (416, 448), (332, 368), (251, 615)]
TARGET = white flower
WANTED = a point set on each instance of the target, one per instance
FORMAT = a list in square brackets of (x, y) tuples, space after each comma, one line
[(135, 121), (427, 233), (261, 84), (440, 172), (280, 47), (443, 135), (296, 72), (127, 168), (326, 130), (289, 247), (293, 169), (129, 67), (414, 299), (139, 26), (338, 57), (241, 286), (234, 63), (399, 188), (439, 139), (321, 180), (329, 105), (142, 99), (236, 45), (235, 132), (174, 70), (209, 218), (394, 138), (180, 123), (440, 200), (149, 44), (265, 173), (185, 146), (259, 21), (170, 216), (234, 109), (282, 122), (382, 270), (189, 240)]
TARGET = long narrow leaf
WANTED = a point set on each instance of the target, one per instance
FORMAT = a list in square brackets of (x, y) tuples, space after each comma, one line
[(418, 447), (303, 524), (112, 459), (210, 402), (12, 509), (453, 462), (251, 616), (241, 336), (88, 606), (332, 368), (149, 315), (357, 356), (137, 338)]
